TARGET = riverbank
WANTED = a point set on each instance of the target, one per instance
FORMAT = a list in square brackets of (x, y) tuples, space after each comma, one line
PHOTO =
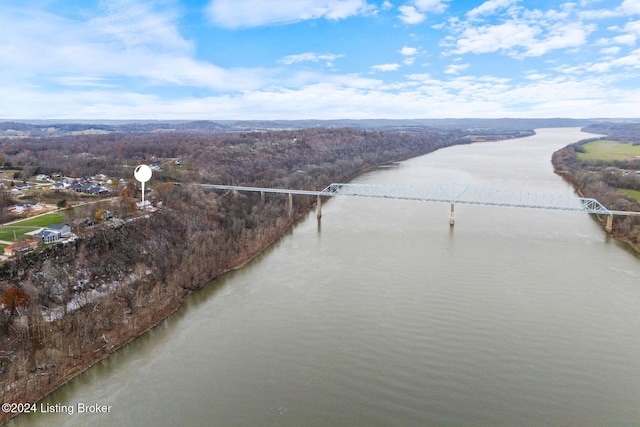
[(600, 180), (118, 337)]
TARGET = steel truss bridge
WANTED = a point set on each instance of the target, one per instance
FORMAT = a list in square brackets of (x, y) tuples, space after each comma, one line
[(452, 194)]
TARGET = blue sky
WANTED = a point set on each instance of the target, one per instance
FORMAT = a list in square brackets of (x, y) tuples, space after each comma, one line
[(318, 59)]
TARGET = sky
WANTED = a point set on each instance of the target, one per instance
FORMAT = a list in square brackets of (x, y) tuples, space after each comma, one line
[(318, 59)]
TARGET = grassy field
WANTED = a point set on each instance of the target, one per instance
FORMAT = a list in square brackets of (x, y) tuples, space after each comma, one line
[(634, 194), (610, 150), (17, 229)]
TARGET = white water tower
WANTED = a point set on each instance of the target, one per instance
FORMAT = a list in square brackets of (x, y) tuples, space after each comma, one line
[(142, 173)]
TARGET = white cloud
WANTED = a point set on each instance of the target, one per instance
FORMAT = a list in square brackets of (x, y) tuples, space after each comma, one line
[(628, 39), (532, 75), (254, 13), (630, 7), (493, 38), (435, 6), (410, 15), (455, 68), (489, 7), (560, 36), (414, 12), (631, 60), (309, 57), (110, 48), (521, 32), (633, 27), (386, 67), (350, 96), (138, 25), (613, 50), (408, 51), (626, 8), (83, 81), (409, 54), (387, 5)]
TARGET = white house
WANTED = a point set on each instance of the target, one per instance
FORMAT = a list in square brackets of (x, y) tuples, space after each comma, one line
[(47, 236), (63, 229)]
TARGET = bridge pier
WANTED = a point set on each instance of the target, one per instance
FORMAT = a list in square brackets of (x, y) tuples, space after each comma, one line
[(290, 205), (609, 226), (451, 217), (318, 207), (262, 197)]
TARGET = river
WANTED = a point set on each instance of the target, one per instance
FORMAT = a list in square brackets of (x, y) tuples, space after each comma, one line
[(385, 315)]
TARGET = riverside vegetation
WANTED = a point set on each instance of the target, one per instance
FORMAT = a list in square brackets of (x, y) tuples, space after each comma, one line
[(607, 169), (67, 306)]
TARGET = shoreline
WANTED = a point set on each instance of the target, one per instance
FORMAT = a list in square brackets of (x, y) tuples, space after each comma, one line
[(617, 236)]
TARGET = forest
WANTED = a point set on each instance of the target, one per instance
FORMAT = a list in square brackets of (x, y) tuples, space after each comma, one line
[(65, 307)]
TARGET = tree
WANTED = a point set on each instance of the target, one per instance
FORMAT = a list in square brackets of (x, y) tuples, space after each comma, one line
[(127, 203), (14, 298), (99, 215)]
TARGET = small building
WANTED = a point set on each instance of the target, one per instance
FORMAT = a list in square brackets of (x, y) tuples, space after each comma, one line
[(20, 247), (146, 205), (81, 223), (58, 186)]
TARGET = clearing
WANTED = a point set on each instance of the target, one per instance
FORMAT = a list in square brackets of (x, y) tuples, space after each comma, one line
[(610, 150), (16, 230)]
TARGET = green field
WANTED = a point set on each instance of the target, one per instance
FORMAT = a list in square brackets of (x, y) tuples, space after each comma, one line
[(17, 229), (634, 194), (610, 150)]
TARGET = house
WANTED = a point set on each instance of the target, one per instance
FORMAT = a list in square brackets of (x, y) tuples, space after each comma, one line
[(63, 229), (59, 186), (47, 236), (20, 247), (19, 209), (79, 224), (97, 189)]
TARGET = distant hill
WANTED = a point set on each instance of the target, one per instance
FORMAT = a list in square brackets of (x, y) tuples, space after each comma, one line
[(53, 127)]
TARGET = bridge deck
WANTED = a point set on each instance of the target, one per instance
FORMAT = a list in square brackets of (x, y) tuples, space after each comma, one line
[(448, 193)]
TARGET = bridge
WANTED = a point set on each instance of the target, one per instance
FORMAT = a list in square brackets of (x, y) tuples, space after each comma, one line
[(447, 193)]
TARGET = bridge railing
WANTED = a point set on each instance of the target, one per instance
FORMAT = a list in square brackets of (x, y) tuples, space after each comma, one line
[(461, 194)]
